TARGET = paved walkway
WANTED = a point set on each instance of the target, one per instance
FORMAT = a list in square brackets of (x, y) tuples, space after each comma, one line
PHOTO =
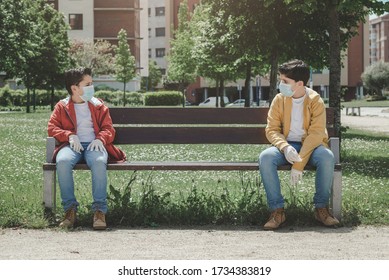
[(210, 243), (371, 119)]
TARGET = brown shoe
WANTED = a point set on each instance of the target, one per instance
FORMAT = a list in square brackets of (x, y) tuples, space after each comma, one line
[(70, 218), (277, 218), (324, 217), (99, 220)]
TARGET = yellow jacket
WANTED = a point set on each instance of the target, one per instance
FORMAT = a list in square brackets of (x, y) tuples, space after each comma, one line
[(278, 124)]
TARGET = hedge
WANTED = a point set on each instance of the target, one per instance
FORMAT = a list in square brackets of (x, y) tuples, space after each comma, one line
[(163, 98), (18, 98)]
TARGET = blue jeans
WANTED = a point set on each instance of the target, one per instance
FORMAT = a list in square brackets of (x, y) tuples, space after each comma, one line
[(322, 158), (97, 162)]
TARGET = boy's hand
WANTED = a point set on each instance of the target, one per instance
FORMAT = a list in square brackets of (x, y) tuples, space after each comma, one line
[(295, 176), (291, 154), (96, 145), (75, 144)]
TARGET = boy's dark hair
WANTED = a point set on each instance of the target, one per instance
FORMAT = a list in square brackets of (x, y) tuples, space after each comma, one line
[(75, 76), (296, 70)]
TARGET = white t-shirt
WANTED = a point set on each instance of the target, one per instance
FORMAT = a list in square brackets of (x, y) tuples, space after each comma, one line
[(85, 131), (297, 120)]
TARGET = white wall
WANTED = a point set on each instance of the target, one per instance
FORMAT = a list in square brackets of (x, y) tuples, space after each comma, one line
[(84, 7), (144, 34)]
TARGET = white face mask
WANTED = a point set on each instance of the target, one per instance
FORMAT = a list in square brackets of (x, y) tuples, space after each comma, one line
[(285, 89), (88, 93)]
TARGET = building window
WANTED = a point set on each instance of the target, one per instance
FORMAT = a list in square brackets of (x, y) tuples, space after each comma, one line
[(149, 12), (149, 53), (163, 71), (149, 32), (160, 52), (159, 11), (160, 32), (75, 21)]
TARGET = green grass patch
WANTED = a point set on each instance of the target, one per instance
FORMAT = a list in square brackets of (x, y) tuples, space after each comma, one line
[(365, 103), (154, 198)]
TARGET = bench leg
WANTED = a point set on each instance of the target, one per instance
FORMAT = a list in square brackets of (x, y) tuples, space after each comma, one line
[(49, 189), (336, 195)]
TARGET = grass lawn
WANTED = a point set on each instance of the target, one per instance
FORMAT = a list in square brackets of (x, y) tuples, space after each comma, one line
[(182, 197), (364, 103)]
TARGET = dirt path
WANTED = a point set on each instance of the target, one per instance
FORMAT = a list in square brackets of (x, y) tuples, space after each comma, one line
[(361, 243)]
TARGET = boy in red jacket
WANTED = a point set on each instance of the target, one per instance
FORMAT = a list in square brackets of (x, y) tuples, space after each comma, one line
[(83, 127)]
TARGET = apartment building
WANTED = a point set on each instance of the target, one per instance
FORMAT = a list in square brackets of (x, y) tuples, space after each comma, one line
[(92, 20), (157, 33), (379, 39)]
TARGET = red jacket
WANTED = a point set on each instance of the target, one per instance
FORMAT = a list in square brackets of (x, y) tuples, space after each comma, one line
[(63, 123)]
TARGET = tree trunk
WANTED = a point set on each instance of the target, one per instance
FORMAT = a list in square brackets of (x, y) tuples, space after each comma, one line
[(52, 98), (217, 92), (28, 100), (34, 100), (273, 75), (222, 104), (246, 93), (124, 94), (335, 64)]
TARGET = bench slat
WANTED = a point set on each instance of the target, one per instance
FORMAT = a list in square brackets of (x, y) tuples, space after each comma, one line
[(190, 135), (182, 165), (196, 115), (188, 115)]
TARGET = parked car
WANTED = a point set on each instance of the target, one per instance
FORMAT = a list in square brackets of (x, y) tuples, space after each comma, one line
[(237, 103), (211, 101)]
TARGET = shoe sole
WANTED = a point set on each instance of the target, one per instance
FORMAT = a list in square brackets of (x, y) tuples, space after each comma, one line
[(99, 227), (329, 226), (280, 226)]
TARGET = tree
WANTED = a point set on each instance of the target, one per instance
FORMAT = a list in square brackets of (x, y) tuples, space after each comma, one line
[(154, 78), (17, 37), (211, 50), (95, 55), (342, 17), (124, 62), (55, 50), (181, 63), (33, 43), (376, 77)]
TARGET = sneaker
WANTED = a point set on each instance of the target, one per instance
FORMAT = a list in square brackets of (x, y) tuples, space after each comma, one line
[(277, 218), (99, 220), (324, 217), (70, 218)]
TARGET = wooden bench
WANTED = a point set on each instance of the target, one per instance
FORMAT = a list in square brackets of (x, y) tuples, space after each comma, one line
[(190, 126)]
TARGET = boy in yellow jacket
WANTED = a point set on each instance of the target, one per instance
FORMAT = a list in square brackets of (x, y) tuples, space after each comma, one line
[(296, 128)]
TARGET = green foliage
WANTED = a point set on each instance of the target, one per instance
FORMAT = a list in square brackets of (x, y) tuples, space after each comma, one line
[(19, 39), (95, 55), (113, 97), (34, 45), (17, 98), (376, 77), (163, 98), (154, 78), (124, 62), (182, 66)]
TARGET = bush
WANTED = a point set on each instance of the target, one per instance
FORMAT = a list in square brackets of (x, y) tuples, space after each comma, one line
[(134, 98), (163, 98), (5, 96), (103, 87), (107, 95), (15, 98)]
